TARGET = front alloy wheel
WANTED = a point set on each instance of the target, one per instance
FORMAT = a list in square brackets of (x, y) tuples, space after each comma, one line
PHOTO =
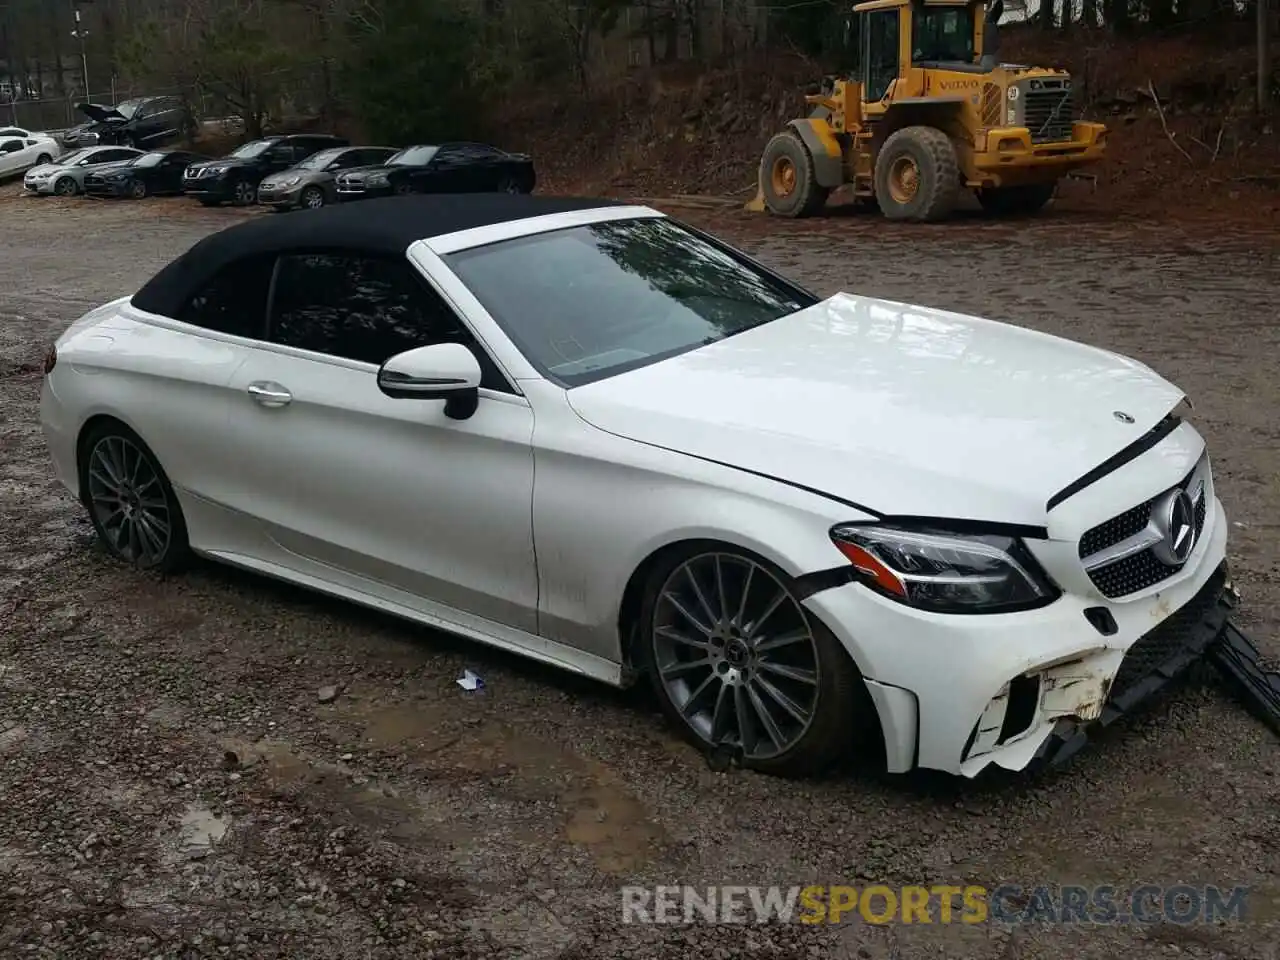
[(739, 664), (244, 193), (130, 501)]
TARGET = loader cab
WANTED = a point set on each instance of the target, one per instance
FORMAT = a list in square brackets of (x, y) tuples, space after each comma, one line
[(883, 38)]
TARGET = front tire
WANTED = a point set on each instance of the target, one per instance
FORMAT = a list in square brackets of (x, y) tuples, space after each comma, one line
[(738, 665), (1016, 201), (312, 198), (787, 178), (130, 501), (917, 175), (66, 187), (138, 190), (244, 193)]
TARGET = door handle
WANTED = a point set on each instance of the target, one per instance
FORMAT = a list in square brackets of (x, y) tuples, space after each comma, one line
[(269, 394)]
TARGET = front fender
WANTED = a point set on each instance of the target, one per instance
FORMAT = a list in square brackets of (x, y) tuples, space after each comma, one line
[(828, 156)]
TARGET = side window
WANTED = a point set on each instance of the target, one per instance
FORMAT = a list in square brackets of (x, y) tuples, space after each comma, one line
[(881, 61), (364, 308), (235, 301)]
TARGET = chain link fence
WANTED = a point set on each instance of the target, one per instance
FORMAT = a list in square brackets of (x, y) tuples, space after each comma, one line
[(54, 114)]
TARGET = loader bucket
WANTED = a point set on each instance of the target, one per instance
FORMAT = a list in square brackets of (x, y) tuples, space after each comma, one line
[(756, 203)]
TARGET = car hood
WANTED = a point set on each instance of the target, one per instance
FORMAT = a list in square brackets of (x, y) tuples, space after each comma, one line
[(223, 162), (359, 173), (100, 114), (307, 176), (903, 410), (43, 168)]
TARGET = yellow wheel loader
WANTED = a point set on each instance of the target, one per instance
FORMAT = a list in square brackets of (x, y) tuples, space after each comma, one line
[(926, 111)]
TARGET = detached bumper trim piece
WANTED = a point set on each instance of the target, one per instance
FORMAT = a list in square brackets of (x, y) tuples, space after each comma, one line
[(1165, 654), (1254, 684)]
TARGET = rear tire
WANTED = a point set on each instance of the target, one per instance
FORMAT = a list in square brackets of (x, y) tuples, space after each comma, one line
[(753, 644), (43, 159), (1016, 201), (787, 178), (130, 501), (917, 175)]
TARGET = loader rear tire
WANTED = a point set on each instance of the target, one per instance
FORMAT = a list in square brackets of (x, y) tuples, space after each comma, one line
[(787, 178), (917, 176), (1016, 201)]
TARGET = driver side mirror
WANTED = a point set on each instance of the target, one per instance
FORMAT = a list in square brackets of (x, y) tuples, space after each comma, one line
[(441, 371)]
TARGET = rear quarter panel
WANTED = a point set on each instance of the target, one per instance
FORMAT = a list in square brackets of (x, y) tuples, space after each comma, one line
[(164, 383)]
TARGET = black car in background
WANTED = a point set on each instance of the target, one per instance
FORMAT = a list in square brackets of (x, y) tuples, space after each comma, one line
[(236, 176), (447, 168), (144, 122), (156, 173)]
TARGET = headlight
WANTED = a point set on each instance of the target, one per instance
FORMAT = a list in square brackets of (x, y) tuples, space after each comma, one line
[(944, 572), (291, 181), (215, 171), (377, 180)]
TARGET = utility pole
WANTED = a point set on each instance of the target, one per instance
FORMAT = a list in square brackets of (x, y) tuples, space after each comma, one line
[(1264, 57), (80, 33)]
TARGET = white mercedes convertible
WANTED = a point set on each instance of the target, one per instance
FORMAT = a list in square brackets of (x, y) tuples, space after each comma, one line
[(582, 431)]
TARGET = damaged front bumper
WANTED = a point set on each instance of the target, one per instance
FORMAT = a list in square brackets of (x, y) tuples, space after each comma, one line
[(1200, 631)]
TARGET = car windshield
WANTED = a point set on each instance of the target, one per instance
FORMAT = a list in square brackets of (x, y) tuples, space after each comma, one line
[(147, 160), (318, 161), (252, 149), (943, 35), (413, 156), (128, 108), (594, 301), (74, 157)]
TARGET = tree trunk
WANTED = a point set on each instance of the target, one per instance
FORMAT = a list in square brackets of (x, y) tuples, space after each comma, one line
[(1046, 14), (1264, 57)]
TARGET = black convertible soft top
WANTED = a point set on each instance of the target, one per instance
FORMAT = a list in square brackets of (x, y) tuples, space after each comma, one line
[(388, 226)]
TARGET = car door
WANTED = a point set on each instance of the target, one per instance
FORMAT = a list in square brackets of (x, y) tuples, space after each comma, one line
[(446, 173), (167, 175), (12, 155), (480, 168), (378, 493)]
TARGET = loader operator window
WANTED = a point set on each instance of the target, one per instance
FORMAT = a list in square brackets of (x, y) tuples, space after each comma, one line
[(942, 35), (881, 60)]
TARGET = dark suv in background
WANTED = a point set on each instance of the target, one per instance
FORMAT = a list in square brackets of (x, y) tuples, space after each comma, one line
[(236, 176), (145, 123)]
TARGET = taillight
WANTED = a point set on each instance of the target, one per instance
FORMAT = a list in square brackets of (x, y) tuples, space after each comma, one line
[(50, 360)]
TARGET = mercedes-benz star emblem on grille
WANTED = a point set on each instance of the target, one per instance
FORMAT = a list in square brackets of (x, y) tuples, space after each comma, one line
[(1175, 520), (1122, 416)]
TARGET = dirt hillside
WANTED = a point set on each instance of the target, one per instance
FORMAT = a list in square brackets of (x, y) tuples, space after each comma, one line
[(687, 129)]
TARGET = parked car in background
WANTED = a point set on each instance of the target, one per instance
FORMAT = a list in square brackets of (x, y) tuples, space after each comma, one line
[(142, 122), (311, 182), (447, 168), (21, 150), (236, 176), (65, 176), (158, 172)]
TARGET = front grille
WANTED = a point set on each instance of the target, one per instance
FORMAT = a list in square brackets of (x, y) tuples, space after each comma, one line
[(1140, 568), (1048, 113), (1179, 633)]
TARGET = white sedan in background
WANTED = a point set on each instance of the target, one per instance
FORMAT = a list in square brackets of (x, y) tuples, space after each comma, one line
[(21, 150), (581, 431)]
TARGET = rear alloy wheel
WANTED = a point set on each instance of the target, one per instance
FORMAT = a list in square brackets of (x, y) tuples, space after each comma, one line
[(313, 198), (402, 189), (66, 187), (43, 159), (244, 194), (509, 185), (138, 189), (130, 501), (741, 667)]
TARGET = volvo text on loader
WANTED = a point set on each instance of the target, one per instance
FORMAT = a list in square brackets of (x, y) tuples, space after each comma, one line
[(925, 112)]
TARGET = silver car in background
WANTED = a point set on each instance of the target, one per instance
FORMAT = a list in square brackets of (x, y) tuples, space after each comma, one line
[(311, 183), (65, 176)]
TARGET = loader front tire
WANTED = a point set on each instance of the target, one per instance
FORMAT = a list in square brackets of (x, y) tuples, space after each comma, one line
[(787, 178), (1016, 201), (917, 176)]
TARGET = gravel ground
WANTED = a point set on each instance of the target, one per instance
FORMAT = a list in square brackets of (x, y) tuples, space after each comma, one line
[(174, 784)]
